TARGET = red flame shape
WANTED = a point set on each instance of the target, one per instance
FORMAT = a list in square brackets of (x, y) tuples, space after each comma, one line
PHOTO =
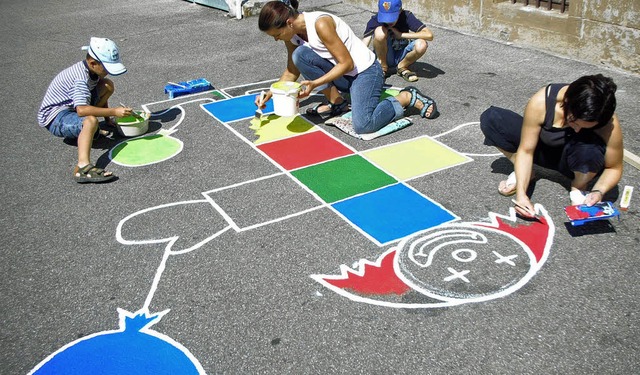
[(376, 279)]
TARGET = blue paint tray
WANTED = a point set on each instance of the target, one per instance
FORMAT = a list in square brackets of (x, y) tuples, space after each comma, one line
[(187, 87), (581, 214)]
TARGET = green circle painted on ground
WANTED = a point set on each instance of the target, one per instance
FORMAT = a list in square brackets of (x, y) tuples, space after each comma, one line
[(146, 150)]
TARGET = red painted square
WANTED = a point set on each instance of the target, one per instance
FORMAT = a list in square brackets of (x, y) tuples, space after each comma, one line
[(304, 149)]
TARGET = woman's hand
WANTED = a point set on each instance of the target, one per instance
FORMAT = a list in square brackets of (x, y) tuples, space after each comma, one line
[(524, 207), (594, 196), (306, 87), (262, 104)]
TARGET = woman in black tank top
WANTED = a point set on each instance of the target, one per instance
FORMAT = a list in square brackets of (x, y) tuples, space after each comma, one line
[(568, 128)]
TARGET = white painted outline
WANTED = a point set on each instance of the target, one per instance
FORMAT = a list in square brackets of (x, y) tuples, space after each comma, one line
[(122, 321), (493, 225), (163, 132), (231, 224), (460, 127)]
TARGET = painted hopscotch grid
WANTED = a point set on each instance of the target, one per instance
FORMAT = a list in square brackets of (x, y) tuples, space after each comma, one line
[(366, 188)]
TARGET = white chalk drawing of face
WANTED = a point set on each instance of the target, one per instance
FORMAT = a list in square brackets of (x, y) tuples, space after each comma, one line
[(450, 264), (463, 262)]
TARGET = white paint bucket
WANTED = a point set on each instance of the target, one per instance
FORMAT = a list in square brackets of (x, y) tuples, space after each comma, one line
[(285, 98), (132, 126)]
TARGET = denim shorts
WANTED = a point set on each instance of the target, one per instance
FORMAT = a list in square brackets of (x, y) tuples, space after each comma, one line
[(66, 124), (394, 57)]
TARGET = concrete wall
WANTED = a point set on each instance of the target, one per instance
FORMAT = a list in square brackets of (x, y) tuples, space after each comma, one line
[(603, 32)]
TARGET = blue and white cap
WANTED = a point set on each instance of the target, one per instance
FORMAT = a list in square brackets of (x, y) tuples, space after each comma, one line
[(106, 51)]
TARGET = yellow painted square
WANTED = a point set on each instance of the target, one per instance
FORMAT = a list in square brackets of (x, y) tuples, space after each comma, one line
[(417, 157), (274, 127)]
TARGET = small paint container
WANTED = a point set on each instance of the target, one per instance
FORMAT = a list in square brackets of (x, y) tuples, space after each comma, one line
[(132, 126), (285, 98)]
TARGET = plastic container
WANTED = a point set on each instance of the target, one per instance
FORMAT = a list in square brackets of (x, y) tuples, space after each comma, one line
[(131, 126), (285, 98), (187, 87)]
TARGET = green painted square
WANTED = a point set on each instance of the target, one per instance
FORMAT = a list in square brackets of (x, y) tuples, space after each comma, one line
[(343, 178)]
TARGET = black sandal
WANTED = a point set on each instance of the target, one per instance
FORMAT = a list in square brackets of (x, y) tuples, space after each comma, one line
[(426, 101), (91, 173), (334, 109)]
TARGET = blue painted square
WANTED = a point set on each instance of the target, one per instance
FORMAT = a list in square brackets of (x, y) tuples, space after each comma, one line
[(393, 212), (237, 108)]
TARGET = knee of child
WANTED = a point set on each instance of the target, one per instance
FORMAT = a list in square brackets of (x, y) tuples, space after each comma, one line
[(109, 87), (421, 46), (90, 122), (380, 33)]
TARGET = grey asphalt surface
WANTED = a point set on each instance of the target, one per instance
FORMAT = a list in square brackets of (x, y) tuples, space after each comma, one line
[(245, 303)]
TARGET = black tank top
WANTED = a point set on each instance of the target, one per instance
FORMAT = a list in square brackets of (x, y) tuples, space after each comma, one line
[(550, 136)]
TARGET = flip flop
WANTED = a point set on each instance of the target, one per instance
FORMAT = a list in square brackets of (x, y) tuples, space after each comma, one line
[(510, 184)]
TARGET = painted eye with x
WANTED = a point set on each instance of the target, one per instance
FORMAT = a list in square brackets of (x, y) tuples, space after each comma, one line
[(461, 263)]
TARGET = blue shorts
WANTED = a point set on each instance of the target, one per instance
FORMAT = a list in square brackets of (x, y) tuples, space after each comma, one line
[(395, 56), (67, 123)]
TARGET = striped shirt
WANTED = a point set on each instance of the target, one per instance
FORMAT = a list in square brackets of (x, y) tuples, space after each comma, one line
[(70, 88)]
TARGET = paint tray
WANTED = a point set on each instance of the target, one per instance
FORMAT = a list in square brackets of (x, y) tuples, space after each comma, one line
[(582, 213), (187, 87)]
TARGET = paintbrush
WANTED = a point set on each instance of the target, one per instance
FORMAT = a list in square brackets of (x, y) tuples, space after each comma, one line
[(133, 113), (258, 114), (535, 216), (177, 84)]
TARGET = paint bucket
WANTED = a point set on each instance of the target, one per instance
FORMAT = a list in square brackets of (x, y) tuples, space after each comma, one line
[(285, 98), (132, 126)]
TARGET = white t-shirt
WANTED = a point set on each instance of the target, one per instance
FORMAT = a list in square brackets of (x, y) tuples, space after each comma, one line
[(361, 55)]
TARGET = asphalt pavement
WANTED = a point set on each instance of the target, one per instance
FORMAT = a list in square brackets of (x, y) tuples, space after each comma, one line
[(228, 247)]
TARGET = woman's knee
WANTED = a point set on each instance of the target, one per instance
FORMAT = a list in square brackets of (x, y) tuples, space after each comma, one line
[(362, 125), (299, 55), (585, 158), (487, 120)]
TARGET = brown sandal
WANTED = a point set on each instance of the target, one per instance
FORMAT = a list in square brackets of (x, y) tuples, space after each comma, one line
[(407, 75), (91, 173)]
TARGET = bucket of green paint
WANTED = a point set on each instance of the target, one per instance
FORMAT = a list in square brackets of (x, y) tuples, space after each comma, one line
[(132, 126), (285, 98)]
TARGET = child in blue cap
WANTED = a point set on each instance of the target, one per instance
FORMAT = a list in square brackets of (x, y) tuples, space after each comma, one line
[(399, 38), (75, 99)]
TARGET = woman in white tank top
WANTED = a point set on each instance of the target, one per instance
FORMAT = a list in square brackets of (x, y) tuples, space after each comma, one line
[(333, 60)]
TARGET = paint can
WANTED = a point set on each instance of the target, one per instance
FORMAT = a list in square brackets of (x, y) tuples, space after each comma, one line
[(285, 98), (132, 126)]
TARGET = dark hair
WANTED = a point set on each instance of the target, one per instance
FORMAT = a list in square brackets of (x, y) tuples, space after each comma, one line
[(591, 98), (275, 14)]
